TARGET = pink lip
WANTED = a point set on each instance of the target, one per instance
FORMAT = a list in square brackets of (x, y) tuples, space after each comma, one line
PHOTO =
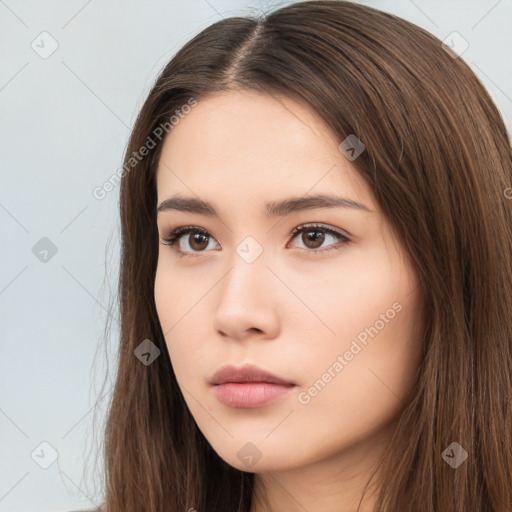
[(248, 387), (250, 395), (247, 373)]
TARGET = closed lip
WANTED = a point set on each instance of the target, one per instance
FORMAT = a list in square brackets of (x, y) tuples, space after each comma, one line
[(246, 373)]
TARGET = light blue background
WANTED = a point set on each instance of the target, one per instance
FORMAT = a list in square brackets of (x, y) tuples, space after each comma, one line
[(64, 123)]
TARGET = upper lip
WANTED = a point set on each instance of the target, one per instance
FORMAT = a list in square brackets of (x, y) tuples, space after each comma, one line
[(247, 373)]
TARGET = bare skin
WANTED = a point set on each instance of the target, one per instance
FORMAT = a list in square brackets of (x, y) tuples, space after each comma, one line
[(295, 310)]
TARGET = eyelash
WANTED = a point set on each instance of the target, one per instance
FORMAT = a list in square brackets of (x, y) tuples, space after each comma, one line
[(176, 234)]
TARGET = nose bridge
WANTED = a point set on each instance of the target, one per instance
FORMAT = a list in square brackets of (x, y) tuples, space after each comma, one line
[(244, 300), (248, 270)]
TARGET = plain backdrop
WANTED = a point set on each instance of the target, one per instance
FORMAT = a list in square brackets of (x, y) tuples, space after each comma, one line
[(73, 76)]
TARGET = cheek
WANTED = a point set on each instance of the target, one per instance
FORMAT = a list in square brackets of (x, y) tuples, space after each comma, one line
[(171, 298), (357, 388), (177, 291), (347, 294), (181, 302), (370, 316)]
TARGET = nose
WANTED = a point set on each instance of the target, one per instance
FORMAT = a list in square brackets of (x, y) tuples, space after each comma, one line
[(247, 301)]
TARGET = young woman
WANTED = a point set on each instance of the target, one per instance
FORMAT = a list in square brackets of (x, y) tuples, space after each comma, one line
[(316, 276)]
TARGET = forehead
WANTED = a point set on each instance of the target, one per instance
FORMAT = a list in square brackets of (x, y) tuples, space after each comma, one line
[(242, 141)]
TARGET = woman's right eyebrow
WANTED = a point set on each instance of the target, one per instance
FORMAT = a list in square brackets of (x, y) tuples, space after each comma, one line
[(272, 208)]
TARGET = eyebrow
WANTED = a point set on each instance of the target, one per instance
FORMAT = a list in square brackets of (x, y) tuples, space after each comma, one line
[(272, 208)]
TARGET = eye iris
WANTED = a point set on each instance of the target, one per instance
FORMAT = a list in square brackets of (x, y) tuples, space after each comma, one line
[(318, 236), (200, 239)]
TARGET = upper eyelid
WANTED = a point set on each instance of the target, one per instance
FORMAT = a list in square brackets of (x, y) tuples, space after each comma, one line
[(320, 226)]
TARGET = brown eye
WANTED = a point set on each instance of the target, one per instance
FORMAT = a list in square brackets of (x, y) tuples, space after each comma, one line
[(196, 238), (313, 239), (198, 241)]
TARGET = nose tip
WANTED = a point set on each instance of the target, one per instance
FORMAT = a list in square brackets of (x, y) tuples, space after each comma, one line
[(243, 304)]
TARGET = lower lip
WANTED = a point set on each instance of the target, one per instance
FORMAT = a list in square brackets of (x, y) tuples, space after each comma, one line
[(249, 395)]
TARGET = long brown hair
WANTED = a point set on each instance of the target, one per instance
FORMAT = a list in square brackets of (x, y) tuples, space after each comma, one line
[(437, 159)]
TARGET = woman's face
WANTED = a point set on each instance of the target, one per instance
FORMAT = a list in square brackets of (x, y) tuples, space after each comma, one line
[(332, 310)]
